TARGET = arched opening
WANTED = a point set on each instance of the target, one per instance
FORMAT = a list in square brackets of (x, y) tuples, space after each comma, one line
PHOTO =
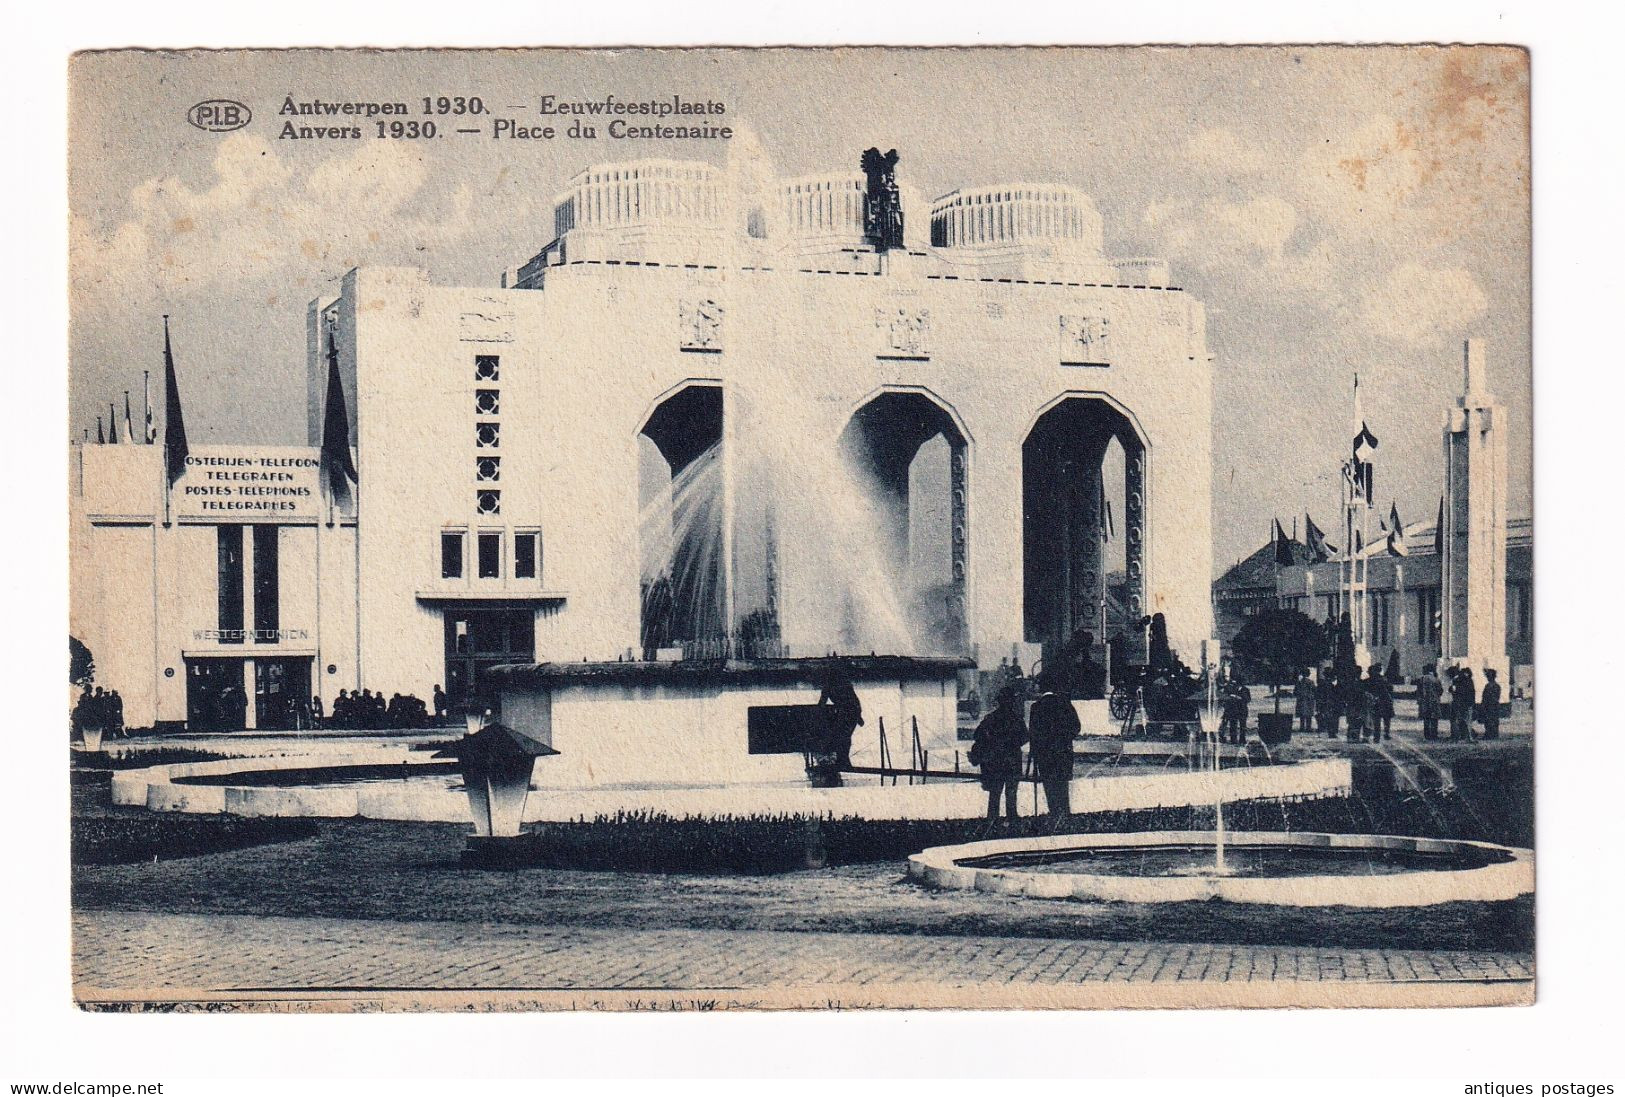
[(681, 568), (1083, 528), (905, 452)]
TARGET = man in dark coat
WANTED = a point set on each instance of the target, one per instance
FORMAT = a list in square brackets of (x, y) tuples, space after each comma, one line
[(1429, 691), (1357, 699), (1052, 724), (1461, 705), (1382, 705), (845, 715), (996, 751), (1330, 702), (1303, 695), (1489, 712), (439, 704), (1233, 724)]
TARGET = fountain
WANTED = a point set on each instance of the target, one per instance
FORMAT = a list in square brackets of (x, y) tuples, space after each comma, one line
[(1277, 868)]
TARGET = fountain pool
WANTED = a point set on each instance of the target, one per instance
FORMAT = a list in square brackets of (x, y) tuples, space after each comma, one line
[(1274, 868)]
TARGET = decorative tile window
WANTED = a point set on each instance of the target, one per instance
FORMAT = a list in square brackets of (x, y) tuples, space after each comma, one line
[(487, 435), (487, 402), (487, 469), (488, 502), (487, 367)]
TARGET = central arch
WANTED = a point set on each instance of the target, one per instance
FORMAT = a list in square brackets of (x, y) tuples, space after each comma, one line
[(682, 567), (1083, 492), (910, 453)]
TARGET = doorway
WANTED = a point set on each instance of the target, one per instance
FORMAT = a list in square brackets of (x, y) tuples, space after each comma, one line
[(479, 638), (215, 700), (281, 693)]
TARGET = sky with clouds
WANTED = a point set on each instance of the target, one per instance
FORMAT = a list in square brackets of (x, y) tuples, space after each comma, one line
[(1338, 210)]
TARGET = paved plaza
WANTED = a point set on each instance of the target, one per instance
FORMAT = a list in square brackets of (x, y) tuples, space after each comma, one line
[(124, 955)]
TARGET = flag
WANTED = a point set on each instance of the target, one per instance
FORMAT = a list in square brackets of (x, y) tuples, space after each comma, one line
[(1363, 449), (1438, 531), (112, 426), (129, 427), (1283, 547), (1396, 532), (1316, 540), (149, 432), (175, 449), (336, 428)]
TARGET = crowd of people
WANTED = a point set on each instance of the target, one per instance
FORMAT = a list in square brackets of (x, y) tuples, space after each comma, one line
[(365, 710), (99, 709), (1364, 704)]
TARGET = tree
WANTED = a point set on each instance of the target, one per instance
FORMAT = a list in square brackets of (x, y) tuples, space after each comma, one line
[(1278, 644), (81, 664)]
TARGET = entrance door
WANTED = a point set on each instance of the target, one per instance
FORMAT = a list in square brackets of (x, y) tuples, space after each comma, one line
[(281, 693), (478, 638), (215, 700)]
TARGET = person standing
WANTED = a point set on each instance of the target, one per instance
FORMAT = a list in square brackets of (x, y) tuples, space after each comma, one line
[(1330, 702), (1461, 705), (315, 711), (845, 714), (1233, 724), (1382, 706), (1428, 692), (996, 751), (439, 704), (1489, 712), (1052, 725), (1357, 701), (1304, 701)]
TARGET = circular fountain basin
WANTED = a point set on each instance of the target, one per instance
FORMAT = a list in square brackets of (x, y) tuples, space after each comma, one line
[(1265, 867)]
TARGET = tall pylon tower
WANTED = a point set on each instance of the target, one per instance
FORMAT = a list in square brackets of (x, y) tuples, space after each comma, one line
[(1473, 582)]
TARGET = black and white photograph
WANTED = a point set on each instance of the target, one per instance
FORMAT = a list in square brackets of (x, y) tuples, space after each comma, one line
[(818, 529)]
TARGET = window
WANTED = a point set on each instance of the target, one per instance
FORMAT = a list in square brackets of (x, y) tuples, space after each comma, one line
[(1381, 634), (487, 402), (488, 468), (1518, 612), (487, 435), (229, 570), (488, 502), (490, 552), (267, 595), (1427, 615), (487, 367), (451, 555), (526, 555)]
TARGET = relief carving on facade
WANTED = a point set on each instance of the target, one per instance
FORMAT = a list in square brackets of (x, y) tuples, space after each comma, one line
[(1083, 341), (906, 331), (700, 325)]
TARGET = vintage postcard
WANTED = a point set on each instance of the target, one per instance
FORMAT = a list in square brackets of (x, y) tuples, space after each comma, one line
[(801, 528)]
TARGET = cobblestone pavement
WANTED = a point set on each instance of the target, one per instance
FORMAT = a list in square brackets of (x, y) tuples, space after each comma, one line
[(120, 953)]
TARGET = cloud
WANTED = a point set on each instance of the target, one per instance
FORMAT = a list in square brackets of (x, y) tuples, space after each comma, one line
[(1221, 149), (1218, 233), (1422, 306), (263, 219)]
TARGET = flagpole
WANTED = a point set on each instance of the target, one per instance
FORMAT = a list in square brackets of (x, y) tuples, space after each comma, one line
[(163, 466), (146, 405)]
